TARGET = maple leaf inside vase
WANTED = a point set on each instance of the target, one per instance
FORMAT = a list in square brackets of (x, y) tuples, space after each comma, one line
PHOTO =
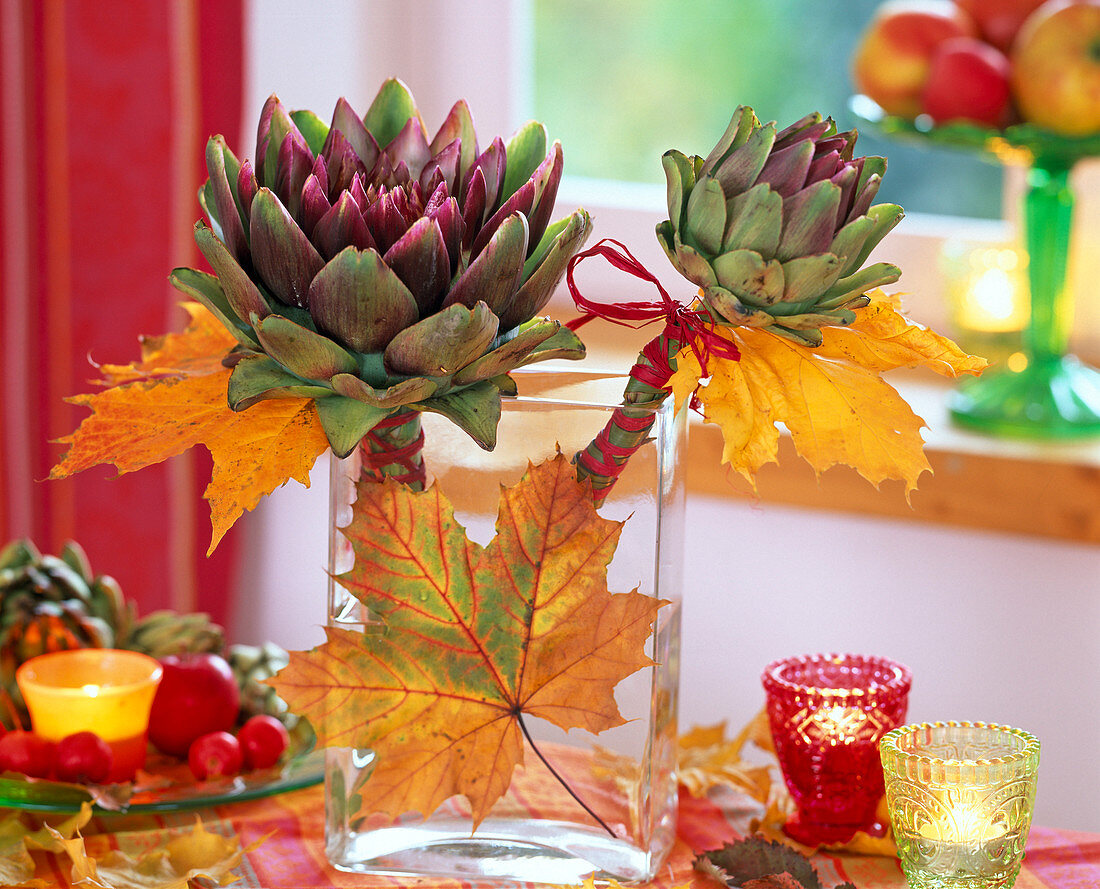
[(486, 634)]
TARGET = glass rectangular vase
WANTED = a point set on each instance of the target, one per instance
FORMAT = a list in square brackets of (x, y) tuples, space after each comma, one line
[(626, 775)]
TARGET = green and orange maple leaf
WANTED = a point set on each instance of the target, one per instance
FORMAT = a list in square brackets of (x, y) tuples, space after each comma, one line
[(831, 398), (175, 398), (475, 639)]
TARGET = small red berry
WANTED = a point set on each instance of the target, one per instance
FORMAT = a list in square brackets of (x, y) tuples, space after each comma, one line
[(83, 757), (27, 753), (213, 755), (263, 740)]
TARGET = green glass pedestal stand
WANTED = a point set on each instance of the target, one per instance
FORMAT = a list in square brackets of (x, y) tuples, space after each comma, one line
[(1054, 395)]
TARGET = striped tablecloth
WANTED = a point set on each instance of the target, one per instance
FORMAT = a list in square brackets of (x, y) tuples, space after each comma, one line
[(293, 857)]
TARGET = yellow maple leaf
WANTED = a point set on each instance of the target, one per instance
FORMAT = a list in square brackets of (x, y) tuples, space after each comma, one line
[(831, 398), (882, 339), (21, 833), (178, 863), (174, 399), (707, 759), (16, 864)]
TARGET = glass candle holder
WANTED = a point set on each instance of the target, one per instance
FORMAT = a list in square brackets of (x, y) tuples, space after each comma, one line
[(827, 714), (961, 796), (102, 690)]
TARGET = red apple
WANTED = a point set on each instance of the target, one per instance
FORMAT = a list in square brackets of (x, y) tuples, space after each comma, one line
[(1056, 67), (968, 80), (999, 20), (893, 54), (197, 695)]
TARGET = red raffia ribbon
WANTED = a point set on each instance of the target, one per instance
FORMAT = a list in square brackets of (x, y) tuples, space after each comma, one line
[(375, 461), (615, 456), (682, 324)]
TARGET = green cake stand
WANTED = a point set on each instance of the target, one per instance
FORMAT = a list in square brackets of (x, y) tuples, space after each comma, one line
[(1055, 395)]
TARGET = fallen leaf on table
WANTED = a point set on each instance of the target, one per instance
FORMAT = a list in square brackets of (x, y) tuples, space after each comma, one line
[(757, 863), (707, 759), (864, 843), (590, 883), (701, 824), (48, 839), (198, 855), (172, 865), (475, 639), (831, 398), (16, 864), (773, 881), (20, 833), (174, 399), (770, 825), (759, 731), (83, 866)]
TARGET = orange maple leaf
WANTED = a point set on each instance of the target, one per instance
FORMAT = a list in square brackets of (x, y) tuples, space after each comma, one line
[(831, 398), (474, 639), (174, 399), (198, 350)]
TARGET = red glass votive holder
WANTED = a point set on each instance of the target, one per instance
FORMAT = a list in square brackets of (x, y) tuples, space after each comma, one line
[(827, 714)]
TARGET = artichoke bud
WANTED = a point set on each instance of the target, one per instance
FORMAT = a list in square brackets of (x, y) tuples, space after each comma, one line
[(373, 268), (775, 225)]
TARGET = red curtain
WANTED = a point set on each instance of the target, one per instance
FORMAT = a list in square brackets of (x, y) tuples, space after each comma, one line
[(107, 105)]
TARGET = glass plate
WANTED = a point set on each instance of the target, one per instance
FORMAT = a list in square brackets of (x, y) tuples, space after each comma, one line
[(171, 789), (1019, 144)]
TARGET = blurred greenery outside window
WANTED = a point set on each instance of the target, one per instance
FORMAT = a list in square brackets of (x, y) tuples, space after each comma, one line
[(620, 82)]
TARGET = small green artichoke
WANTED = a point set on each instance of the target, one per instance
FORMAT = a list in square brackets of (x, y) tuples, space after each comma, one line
[(377, 271), (774, 227)]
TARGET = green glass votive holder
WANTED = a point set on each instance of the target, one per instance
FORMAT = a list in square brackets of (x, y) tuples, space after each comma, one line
[(961, 796)]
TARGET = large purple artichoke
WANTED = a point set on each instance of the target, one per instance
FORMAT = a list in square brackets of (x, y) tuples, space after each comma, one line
[(372, 269)]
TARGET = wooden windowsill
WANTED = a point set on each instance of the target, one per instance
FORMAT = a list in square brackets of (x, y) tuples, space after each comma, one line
[(978, 481)]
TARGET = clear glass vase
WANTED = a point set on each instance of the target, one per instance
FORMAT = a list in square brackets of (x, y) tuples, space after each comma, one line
[(627, 775)]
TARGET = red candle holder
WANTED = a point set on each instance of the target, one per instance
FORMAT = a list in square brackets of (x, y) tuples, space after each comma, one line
[(827, 714)]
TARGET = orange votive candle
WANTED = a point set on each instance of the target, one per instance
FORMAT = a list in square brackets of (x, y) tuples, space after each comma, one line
[(101, 690)]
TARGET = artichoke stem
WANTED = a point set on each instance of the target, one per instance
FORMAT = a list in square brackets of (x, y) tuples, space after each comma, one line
[(394, 449), (628, 429)]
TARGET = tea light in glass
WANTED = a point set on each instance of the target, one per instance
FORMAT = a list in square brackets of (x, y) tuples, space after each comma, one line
[(102, 690), (827, 713), (961, 796)]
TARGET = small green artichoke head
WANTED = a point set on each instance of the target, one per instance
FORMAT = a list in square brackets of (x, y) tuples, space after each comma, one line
[(774, 227), (374, 270)]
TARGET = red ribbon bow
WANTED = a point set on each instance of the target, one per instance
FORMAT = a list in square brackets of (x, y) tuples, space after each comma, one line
[(685, 325)]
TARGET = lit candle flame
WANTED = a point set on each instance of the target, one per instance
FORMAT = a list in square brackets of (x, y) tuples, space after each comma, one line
[(963, 824)]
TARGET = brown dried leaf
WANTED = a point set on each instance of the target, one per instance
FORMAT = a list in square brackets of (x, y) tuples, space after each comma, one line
[(774, 881), (756, 858)]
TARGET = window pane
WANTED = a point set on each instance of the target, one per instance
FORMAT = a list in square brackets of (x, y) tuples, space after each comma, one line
[(622, 81)]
